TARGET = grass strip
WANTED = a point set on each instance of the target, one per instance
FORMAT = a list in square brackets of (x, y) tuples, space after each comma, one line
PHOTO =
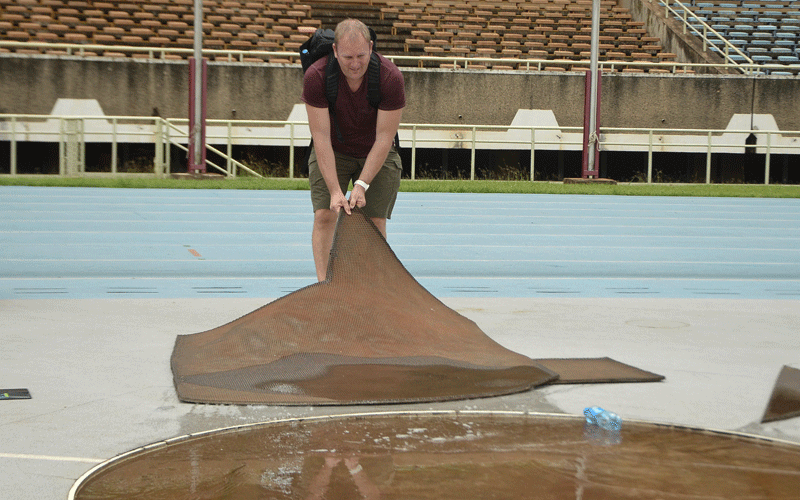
[(423, 186)]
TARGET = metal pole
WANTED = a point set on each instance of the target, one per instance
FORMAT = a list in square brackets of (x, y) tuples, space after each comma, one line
[(114, 145), (595, 49), (13, 159), (708, 160), (650, 157), (291, 150), (414, 152), (197, 139), (472, 155), (533, 151), (766, 160)]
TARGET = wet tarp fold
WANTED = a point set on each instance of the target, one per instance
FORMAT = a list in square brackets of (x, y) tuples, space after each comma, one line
[(370, 333)]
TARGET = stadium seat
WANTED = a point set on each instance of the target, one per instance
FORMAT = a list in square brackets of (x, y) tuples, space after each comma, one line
[(515, 27)]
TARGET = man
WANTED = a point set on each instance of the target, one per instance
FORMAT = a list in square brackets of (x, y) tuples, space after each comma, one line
[(365, 155)]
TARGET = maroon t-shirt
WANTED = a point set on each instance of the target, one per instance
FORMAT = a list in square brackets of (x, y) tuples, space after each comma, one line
[(356, 119)]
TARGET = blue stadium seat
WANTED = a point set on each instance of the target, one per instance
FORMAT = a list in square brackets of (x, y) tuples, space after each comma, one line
[(761, 59), (789, 59)]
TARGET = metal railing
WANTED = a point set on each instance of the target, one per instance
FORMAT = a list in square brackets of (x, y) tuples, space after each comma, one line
[(72, 133), (708, 33), (705, 141), (405, 61)]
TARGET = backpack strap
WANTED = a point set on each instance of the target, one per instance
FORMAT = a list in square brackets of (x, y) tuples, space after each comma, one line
[(374, 81), (332, 90), (374, 88)]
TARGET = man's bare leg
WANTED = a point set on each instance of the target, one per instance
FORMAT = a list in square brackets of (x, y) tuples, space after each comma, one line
[(380, 224), (322, 238)]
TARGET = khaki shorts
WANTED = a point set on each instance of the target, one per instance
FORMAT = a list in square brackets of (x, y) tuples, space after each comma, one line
[(382, 191)]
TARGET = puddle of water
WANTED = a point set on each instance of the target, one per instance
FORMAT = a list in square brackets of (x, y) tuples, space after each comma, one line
[(443, 456)]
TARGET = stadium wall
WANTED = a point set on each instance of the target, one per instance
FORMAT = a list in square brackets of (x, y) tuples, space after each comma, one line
[(31, 85)]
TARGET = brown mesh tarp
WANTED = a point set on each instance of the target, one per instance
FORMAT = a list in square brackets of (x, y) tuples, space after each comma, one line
[(596, 371), (784, 402), (368, 334)]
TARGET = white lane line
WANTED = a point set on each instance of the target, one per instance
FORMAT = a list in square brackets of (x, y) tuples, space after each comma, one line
[(51, 458)]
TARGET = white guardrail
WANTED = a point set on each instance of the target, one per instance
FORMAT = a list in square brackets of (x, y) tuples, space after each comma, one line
[(72, 133)]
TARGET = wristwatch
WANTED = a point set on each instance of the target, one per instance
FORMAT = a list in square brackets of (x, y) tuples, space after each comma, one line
[(363, 184)]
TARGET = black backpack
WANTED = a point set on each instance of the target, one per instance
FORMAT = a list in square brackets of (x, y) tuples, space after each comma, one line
[(321, 45)]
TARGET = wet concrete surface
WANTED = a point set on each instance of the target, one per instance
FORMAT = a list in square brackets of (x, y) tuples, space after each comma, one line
[(99, 375)]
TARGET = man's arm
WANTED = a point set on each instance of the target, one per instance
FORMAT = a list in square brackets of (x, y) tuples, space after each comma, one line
[(385, 131), (320, 125)]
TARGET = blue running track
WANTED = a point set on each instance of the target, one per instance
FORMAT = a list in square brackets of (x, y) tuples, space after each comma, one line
[(89, 243)]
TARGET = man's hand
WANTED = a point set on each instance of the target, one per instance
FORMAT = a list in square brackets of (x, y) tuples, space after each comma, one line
[(338, 201), (357, 197)]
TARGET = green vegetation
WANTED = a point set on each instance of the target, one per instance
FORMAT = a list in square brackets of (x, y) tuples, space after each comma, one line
[(431, 186)]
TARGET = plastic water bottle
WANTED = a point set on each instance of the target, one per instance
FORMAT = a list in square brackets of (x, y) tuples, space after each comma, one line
[(602, 418)]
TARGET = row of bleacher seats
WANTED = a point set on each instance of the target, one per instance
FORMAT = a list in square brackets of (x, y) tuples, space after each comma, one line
[(766, 31), (539, 29), (551, 30), (236, 25)]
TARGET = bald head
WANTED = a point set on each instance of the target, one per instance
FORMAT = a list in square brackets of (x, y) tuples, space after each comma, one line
[(351, 28)]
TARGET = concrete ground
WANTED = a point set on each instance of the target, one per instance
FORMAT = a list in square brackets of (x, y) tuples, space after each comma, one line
[(704, 292)]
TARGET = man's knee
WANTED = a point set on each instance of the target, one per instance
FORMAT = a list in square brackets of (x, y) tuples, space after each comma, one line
[(325, 218)]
